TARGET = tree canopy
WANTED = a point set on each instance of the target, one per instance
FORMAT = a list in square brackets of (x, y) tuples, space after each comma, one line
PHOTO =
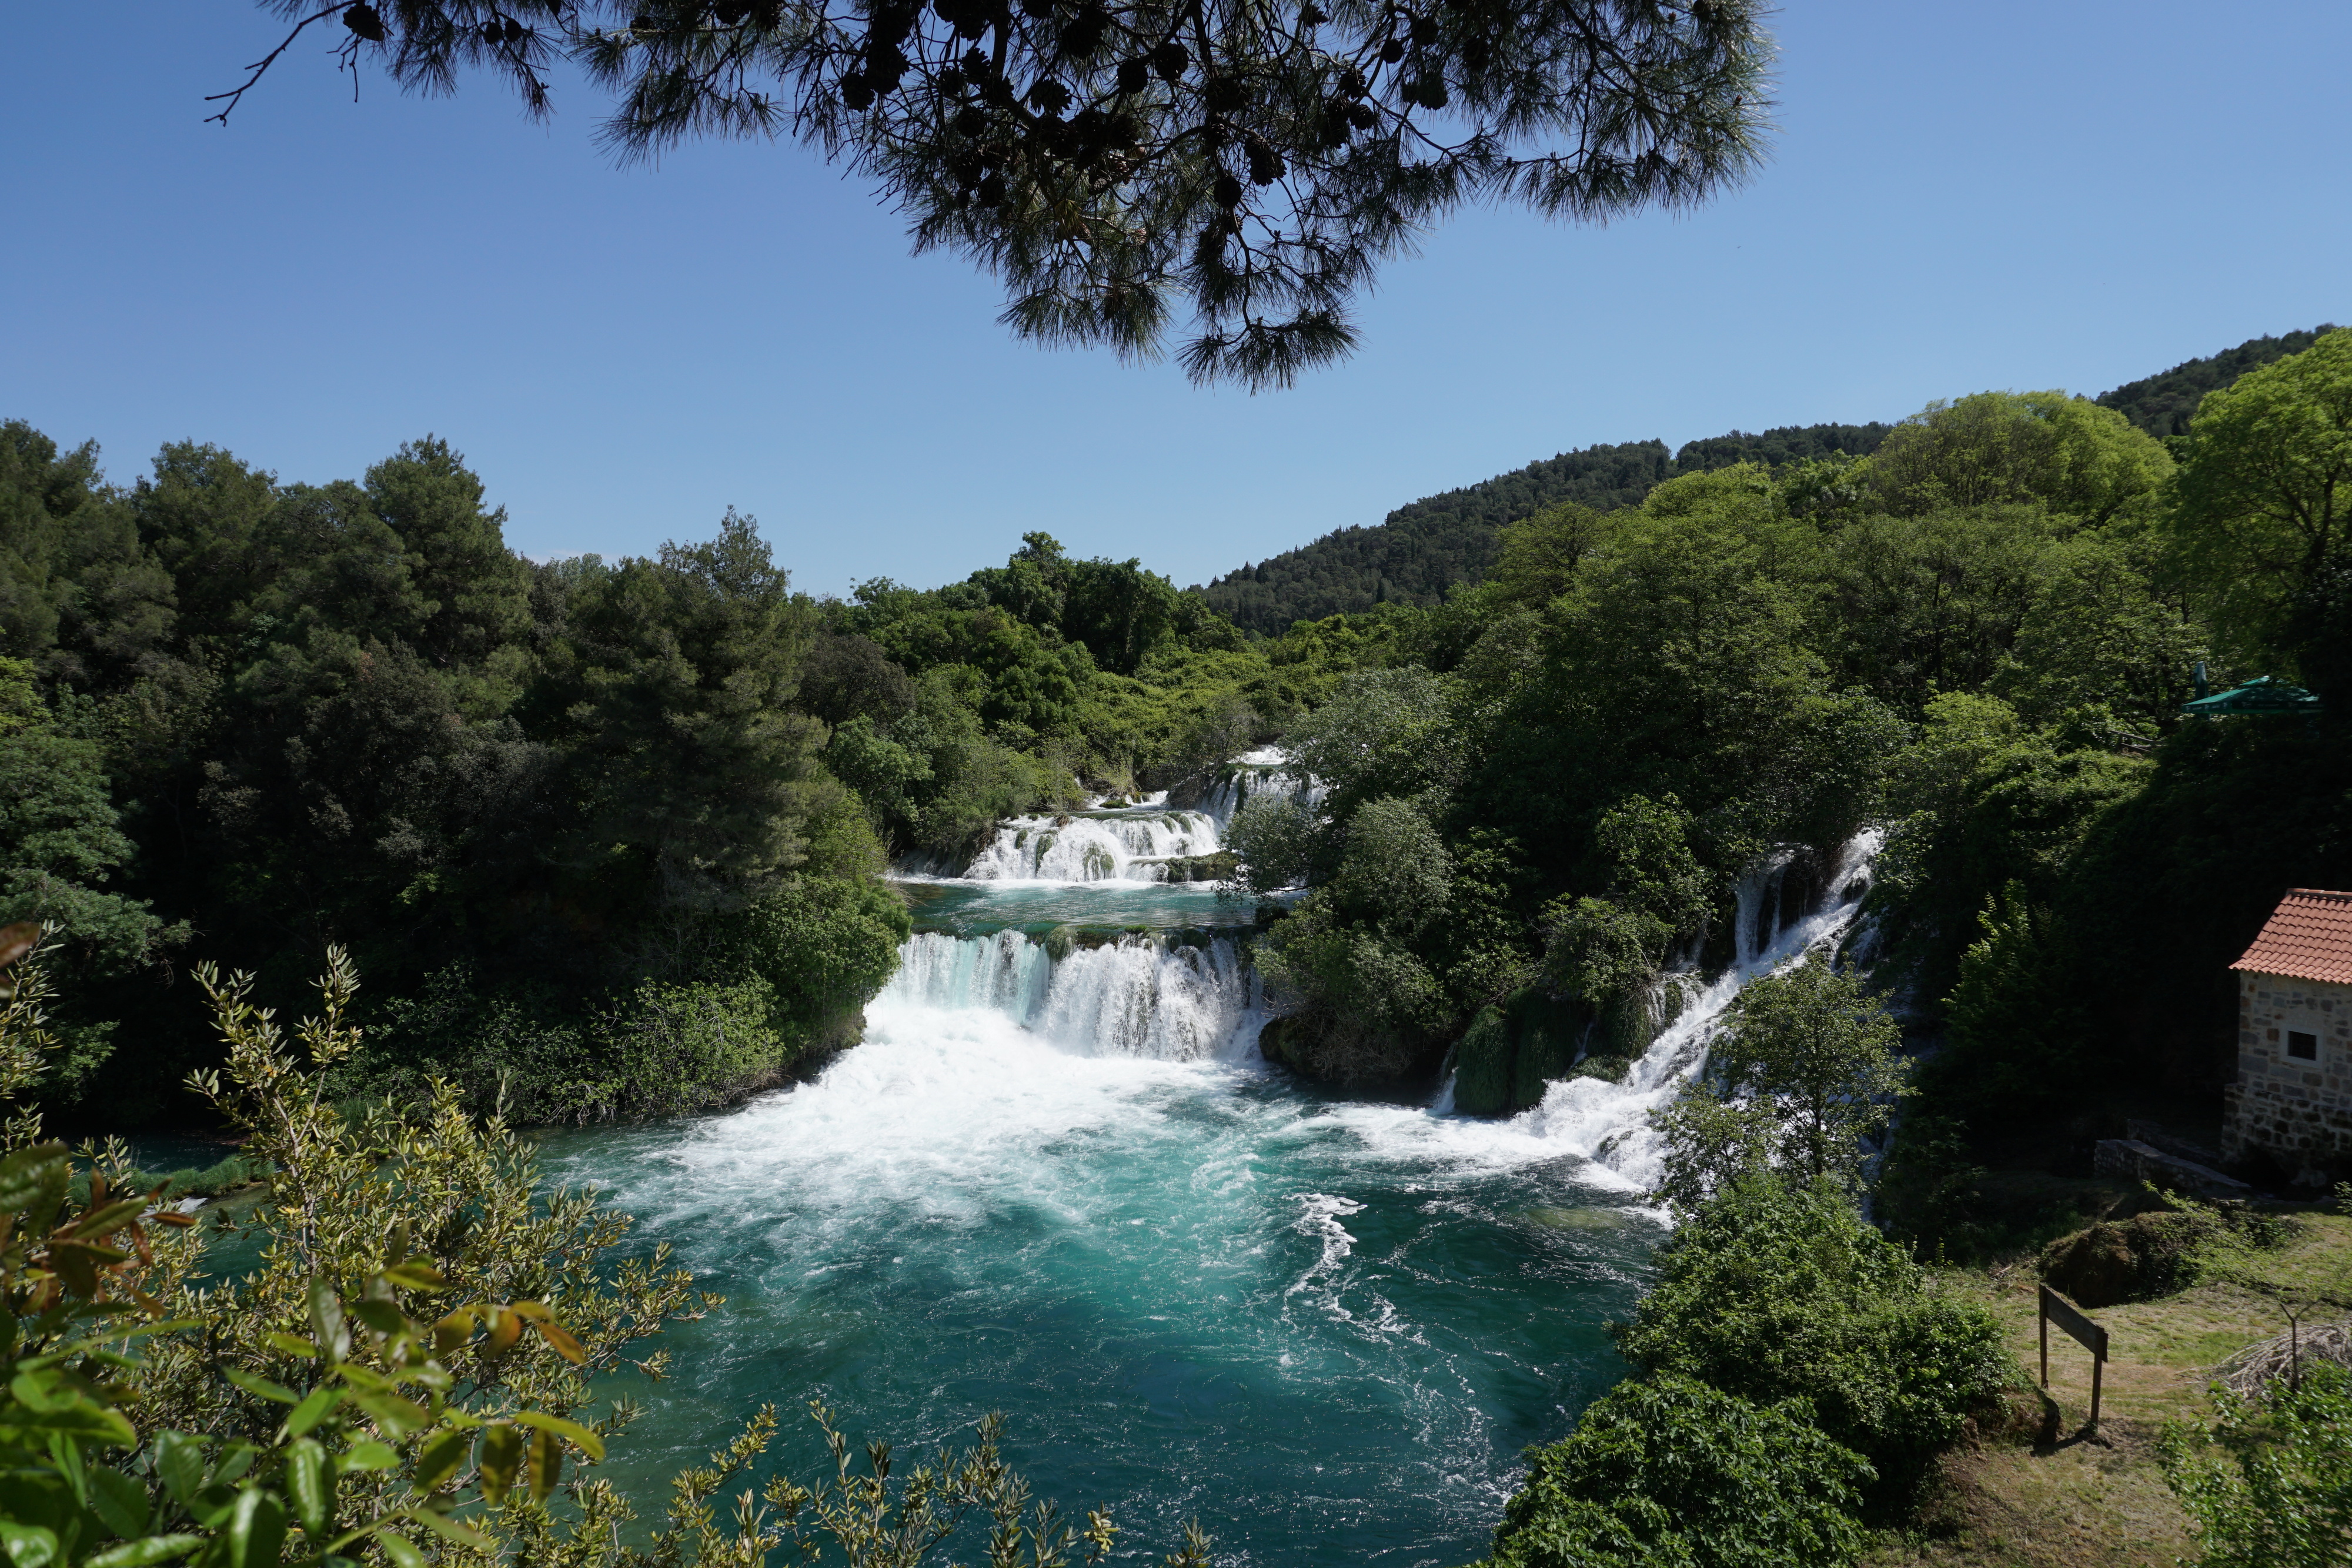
[(1120, 162)]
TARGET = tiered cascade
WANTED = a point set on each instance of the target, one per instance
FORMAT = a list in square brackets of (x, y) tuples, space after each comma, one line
[(1149, 995), (1129, 843)]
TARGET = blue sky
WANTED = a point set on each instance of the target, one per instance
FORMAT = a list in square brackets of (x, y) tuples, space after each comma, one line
[(1962, 196)]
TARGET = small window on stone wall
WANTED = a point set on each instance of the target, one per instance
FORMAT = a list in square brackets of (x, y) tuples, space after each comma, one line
[(2301, 1046)]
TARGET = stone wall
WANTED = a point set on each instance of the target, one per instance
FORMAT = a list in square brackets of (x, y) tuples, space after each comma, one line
[(2300, 1111)]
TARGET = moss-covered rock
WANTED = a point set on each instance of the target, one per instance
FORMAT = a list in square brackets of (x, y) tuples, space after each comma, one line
[(1512, 1053), (1544, 1032), (1216, 867), (1316, 1044), (1483, 1061), (2134, 1259)]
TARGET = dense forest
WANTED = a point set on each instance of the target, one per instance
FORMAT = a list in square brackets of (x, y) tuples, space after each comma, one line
[(618, 826), (605, 836), (2164, 404), (606, 840), (1422, 550)]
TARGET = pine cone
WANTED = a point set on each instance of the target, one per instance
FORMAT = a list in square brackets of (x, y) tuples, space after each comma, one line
[(1085, 33)]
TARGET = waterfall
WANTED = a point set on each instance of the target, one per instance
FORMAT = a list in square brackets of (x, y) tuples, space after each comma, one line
[(1125, 845), (1192, 997), (1787, 907), (1255, 774), (1170, 1000)]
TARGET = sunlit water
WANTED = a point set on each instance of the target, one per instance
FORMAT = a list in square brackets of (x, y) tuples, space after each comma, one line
[(1325, 1329), (1067, 1190)]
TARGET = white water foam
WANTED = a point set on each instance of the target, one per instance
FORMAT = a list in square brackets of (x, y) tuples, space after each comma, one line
[(1130, 845), (1145, 997), (1135, 996)]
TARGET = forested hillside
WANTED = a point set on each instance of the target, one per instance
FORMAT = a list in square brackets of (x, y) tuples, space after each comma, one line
[(1420, 550), (2163, 404), (1424, 548)]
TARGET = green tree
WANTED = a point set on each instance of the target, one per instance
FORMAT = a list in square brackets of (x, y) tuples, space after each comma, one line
[(1108, 163), (1666, 1472), (1934, 601), (2076, 458), (1774, 1289), (477, 587), (2264, 492), (1536, 558), (692, 771), (1395, 871), (78, 594), (1820, 1054), (203, 513), (61, 844)]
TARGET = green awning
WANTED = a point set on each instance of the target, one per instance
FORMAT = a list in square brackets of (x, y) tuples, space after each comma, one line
[(2259, 695)]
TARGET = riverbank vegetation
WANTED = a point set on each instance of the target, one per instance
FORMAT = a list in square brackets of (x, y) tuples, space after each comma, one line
[(607, 840), (606, 837)]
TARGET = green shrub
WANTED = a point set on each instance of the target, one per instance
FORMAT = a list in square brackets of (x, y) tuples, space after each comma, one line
[(2270, 1484), (1772, 1291), (1669, 1473), (673, 1049), (823, 946)]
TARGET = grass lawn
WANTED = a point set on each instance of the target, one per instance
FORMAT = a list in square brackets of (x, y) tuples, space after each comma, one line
[(2038, 1490)]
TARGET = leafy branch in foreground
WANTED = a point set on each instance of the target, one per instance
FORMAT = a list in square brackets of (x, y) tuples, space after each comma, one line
[(400, 1379), (1108, 157)]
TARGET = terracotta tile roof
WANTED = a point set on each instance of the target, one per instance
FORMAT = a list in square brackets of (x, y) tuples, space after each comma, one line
[(2308, 937)]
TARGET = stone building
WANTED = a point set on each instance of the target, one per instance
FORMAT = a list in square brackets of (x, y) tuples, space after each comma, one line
[(2292, 1098)]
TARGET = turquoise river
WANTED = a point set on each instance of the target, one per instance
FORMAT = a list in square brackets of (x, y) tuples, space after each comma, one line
[(1056, 1181)]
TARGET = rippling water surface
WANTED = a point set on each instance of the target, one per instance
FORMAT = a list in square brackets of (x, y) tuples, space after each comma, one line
[(1325, 1329), (1057, 1182)]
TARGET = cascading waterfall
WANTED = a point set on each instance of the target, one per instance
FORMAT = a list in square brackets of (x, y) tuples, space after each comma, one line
[(1146, 996), (1057, 1180), (1130, 844), (1255, 775), (1782, 913), (1137, 995)]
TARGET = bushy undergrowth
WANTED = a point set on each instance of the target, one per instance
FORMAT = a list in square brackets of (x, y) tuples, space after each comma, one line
[(1774, 1290), (2270, 1483), (769, 990), (1797, 1372), (1669, 1471)]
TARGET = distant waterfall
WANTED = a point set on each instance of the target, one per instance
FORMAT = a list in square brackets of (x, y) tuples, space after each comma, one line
[(1788, 906), (1134, 844), (1255, 775), (1171, 1000)]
